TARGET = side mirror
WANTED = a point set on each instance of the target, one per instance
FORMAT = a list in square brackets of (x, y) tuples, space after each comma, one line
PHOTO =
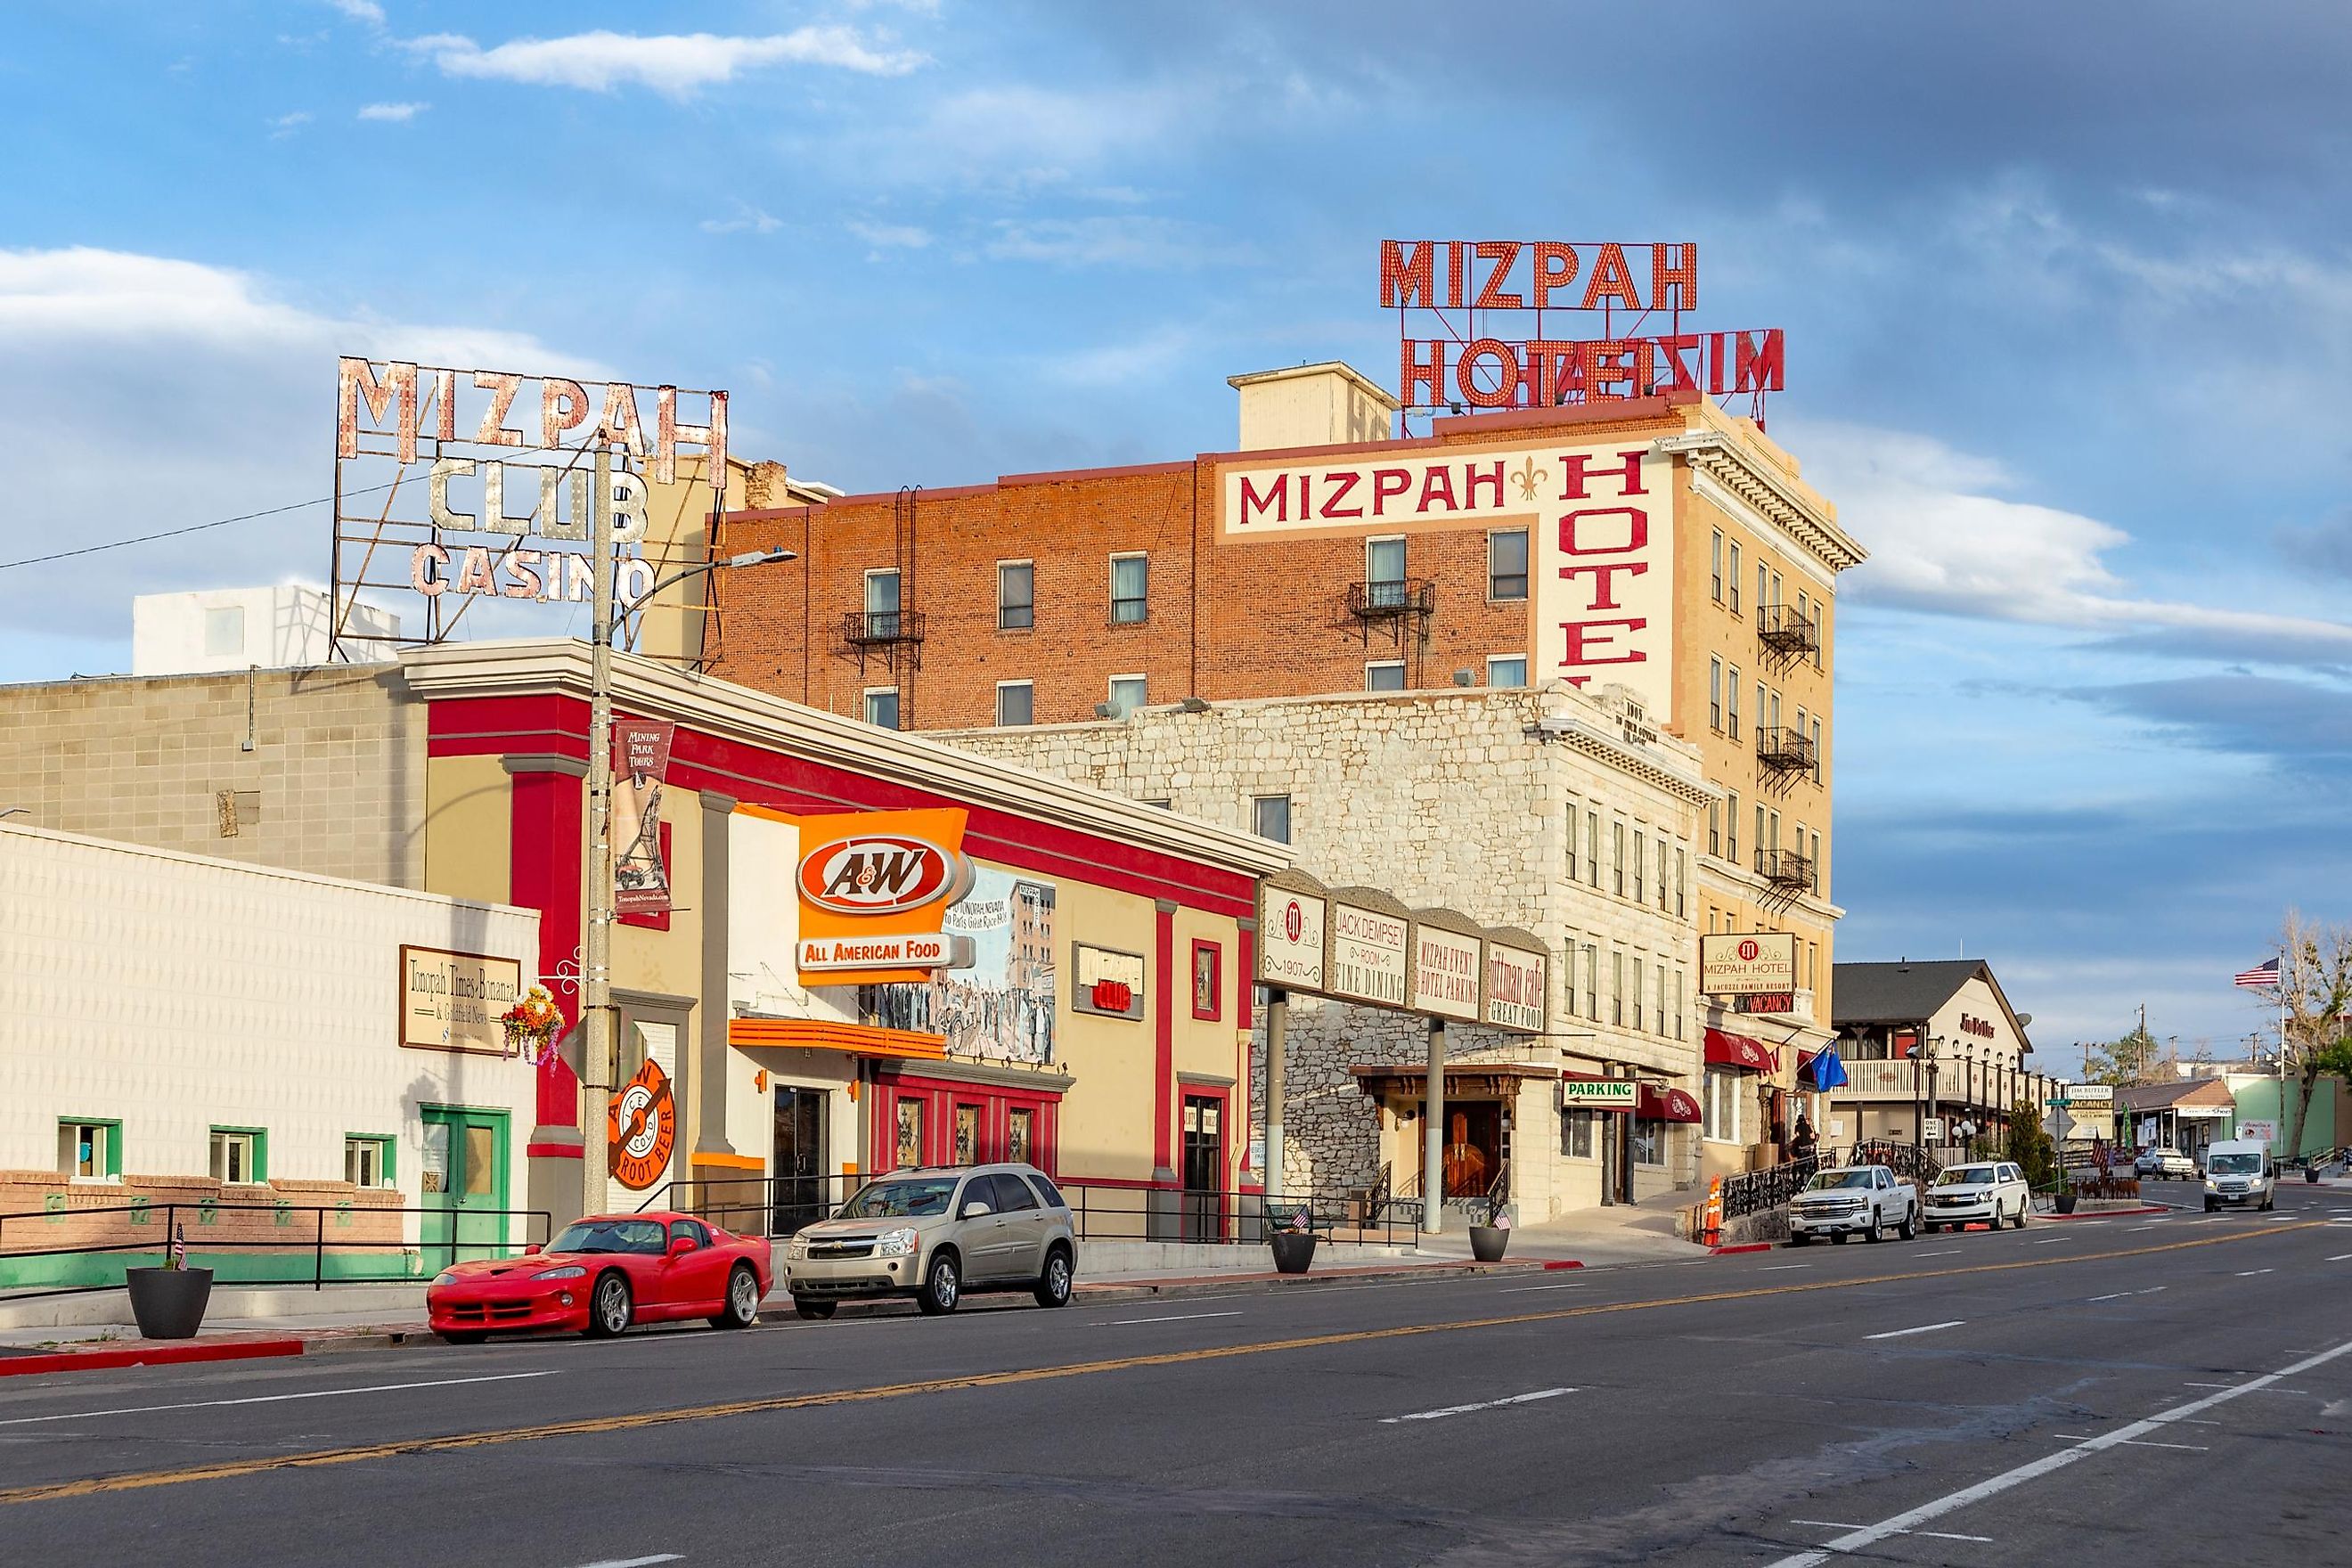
[(530, 1249), (975, 1208), (679, 1245)]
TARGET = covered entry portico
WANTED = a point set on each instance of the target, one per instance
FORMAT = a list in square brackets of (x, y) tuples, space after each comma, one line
[(1486, 1104)]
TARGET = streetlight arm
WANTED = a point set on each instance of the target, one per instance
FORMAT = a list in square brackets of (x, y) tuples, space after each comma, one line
[(749, 558)]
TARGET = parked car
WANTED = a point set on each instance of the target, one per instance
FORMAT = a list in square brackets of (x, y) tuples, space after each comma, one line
[(2238, 1173), (1991, 1193), (601, 1274), (2169, 1164), (1860, 1200), (939, 1233)]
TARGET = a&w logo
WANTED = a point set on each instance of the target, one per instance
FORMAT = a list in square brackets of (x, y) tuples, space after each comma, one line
[(880, 875)]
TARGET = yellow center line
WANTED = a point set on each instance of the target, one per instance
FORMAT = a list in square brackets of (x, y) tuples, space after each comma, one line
[(637, 1420)]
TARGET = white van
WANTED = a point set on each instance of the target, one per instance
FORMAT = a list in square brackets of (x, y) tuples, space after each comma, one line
[(2240, 1171)]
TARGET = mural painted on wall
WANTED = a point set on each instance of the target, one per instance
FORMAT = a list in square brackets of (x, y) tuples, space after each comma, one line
[(1001, 1008)]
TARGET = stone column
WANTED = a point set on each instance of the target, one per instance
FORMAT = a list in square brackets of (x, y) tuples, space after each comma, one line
[(1432, 1134)]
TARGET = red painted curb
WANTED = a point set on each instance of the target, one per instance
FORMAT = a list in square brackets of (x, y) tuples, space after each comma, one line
[(1563, 1263), (147, 1355), (1743, 1247)]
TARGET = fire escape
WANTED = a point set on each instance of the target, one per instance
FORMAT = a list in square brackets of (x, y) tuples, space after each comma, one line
[(1401, 605)]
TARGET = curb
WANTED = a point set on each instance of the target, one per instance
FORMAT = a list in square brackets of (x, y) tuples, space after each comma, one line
[(148, 1355)]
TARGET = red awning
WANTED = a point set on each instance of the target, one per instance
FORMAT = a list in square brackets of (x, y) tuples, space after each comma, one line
[(1658, 1103), (1725, 1049)]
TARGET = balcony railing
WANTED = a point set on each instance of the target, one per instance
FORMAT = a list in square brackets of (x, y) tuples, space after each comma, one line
[(1787, 630), (1785, 868), (1388, 598), (1783, 748), (866, 628)]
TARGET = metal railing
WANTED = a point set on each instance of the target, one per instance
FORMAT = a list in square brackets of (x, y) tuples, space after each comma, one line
[(1783, 748), (1785, 868), (859, 627), (302, 1255), (1903, 1158), (1783, 629), (1380, 598), (1339, 1214), (773, 1206), (1753, 1191)]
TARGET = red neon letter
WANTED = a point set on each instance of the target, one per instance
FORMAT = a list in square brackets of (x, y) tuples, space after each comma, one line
[(1679, 274), (1602, 364), (1506, 390), (1757, 368), (1415, 373), (1405, 272), (1573, 477), (1555, 268), (1504, 255), (1612, 280)]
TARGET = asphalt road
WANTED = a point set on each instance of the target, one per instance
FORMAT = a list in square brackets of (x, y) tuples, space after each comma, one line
[(2131, 1391)]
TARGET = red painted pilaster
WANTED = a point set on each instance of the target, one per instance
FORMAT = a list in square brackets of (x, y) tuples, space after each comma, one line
[(1163, 1023)]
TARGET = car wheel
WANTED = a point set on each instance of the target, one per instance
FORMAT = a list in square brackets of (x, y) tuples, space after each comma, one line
[(1877, 1231), (810, 1308), (1054, 1284), (2268, 1204), (2210, 1205), (942, 1285), (742, 1308), (2017, 1220), (609, 1309), (462, 1337), (1906, 1227)]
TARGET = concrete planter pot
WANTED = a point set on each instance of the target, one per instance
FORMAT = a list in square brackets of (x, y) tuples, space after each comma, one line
[(1487, 1242), (1294, 1250), (2066, 1201), (169, 1303), (2311, 1173)]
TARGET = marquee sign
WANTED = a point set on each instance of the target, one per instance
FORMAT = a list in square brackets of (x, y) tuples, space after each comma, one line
[(1368, 955), (452, 1001), (1445, 968), (1516, 990), (1507, 323), (1737, 965)]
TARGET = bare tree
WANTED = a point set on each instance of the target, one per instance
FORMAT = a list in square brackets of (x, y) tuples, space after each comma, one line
[(2313, 992)]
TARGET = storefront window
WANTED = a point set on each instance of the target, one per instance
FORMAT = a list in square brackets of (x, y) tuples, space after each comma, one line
[(967, 1134), (1019, 1136), (910, 1133), (1576, 1135), (1720, 1106), (1649, 1142)]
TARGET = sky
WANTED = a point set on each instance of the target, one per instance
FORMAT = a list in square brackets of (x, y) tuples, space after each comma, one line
[(2067, 291)]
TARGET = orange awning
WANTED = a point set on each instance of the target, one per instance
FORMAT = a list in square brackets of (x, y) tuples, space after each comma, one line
[(823, 1035)]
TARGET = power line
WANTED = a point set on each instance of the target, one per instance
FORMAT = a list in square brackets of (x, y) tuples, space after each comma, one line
[(175, 532)]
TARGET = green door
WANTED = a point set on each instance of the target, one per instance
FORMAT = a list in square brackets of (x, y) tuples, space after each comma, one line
[(465, 1185)]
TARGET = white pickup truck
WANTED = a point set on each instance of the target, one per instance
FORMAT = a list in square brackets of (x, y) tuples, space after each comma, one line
[(1860, 1200)]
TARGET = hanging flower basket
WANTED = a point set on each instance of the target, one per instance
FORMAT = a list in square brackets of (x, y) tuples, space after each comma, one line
[(531, 1026)]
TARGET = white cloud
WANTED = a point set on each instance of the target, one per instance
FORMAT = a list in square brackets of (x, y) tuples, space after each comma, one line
[(748, 219), (891, 236), (398, 113), (366, 11), (1943, 539), (675, 64), (287, 124), (1126, 239)]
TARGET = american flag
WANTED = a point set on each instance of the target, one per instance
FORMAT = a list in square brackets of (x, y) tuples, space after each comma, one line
[(179, 1246), (2263, 975)]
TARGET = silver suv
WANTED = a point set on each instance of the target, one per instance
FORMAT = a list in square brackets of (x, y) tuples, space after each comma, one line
[(936, 1234)]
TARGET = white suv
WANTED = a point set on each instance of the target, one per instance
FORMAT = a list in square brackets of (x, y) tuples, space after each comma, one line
[(1861, 1200), (1991, 1192)]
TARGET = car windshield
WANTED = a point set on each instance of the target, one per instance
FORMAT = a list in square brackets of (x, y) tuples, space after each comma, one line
[(610, 1236), (2237, 1164), (1967, 1176), (912, 1197), (1861, 1176)]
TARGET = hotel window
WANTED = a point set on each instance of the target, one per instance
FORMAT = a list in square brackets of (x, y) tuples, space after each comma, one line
[(1761, 719), (1809, 965), (1641, 862), (1270, 817), (1761, 842), (1384, 675), (882, 706), (1815, 859), (1507, 670), (1715, 828), (1776, 710), (1016, 596), (240, 1155), (1714, 694), (1126, 695), (1593, 848), (91, 1151), (1800, 724), (1617, 855), (1800, 838), (1663, 1027), (367, 1160), (1666, 899), (1719, 1106), (1637, 993), (1731, 826), (1571, 847), (1762, 598), (1682, 880), (1804, 607), (1130, 583), (1732, 689), (1778, 588), (1507, 565), (1817, 750), (1733, 579), (1649, 1142), (882, 604), (1576, 1135), (1774, 819), (1616, 986), (1384, 573), (1016, 702), (1715, 566), (1592, 982), (1679, 1008)]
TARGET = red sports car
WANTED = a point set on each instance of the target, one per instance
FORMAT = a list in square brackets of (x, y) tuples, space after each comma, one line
[(603, 1273)]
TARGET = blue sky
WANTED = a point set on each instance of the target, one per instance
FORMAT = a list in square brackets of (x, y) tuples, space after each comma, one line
[(2067, 290)]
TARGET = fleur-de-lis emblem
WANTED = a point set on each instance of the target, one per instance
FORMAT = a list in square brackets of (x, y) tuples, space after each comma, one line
[(1529, 476)]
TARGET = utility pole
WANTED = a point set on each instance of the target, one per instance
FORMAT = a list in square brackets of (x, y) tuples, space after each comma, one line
[(1432, 1134), (1277, 1047), (596, 859)]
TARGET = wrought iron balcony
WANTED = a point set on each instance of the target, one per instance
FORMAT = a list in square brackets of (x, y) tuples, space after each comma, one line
[(1785, 629), (868, 629), (1782, 749), (1785, 868), (1390, 598)]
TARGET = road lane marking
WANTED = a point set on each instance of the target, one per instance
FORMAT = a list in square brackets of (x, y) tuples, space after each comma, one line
[(1954, 1252), (2046, 1241), (2337, 1258), (1922, 1329), (1523, 1289), (1776, 1267), (1486, 1405), (2136, 1442), (637, 1561), (1179, 1318), (2250, 1273), (2115, 1296), (269, 1398), (1858, 1540), (1928, 1534), (638, 1420)]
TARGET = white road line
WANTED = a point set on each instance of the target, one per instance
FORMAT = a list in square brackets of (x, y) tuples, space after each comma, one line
[(1179, 1318), (2046, 1241), (2337, 1258), (1776, 1267), (1522, 1289), (2116, 1295), (637, 1562), (2134, 1442), (2250, 1273), (1466, 1409), (1922, 1329), (1954, 1252), (271, 1398), (1856, 1541), (1930, 1534)]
